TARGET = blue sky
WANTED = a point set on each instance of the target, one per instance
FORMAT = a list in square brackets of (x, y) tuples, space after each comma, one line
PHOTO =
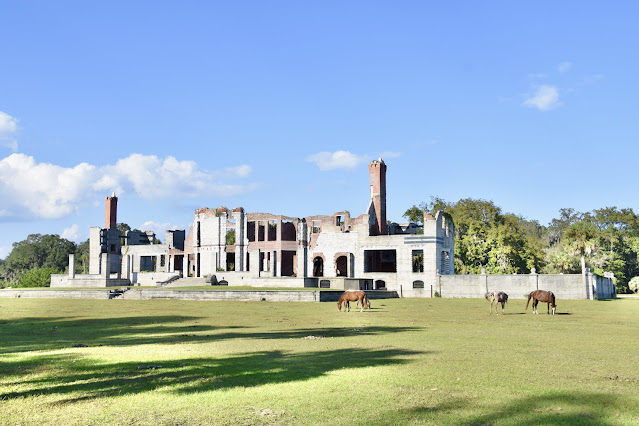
[(279, 106)]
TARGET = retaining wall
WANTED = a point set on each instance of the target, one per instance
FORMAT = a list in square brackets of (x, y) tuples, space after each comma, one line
[(56, 294)]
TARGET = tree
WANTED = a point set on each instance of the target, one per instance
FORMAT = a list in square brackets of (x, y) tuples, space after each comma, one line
[(38, 277), (486, 238), (82, 258), (36, 251), (581, 240), (567, 217)]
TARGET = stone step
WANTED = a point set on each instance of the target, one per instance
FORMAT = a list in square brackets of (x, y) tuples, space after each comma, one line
[(187, 282)]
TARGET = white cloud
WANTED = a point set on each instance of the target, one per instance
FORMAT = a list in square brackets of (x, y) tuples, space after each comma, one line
[(159, 228), (8, 129), (240, 171), (336, 160), (71, 233), (564, 66), (44, 190), (544, 99)]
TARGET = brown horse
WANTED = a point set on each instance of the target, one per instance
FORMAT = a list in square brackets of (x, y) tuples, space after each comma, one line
[(497, 297), (352, 296), (542, 296)]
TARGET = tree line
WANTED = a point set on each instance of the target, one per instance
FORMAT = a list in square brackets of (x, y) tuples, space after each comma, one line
[(32, 261), (605, 240), (487, 238)]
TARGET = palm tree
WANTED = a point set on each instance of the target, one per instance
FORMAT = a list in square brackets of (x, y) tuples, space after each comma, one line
[(581, 239)]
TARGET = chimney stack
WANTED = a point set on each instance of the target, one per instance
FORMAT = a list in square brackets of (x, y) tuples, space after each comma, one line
[(377, 174), (111, 212)]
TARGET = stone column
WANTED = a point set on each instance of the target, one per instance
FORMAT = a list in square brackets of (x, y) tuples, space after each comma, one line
[(185, 265), (104, 265), (71, 266)]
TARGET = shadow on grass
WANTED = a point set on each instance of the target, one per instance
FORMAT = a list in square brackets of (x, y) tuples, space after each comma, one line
[(558, 408), (38, 334), (72, 379)]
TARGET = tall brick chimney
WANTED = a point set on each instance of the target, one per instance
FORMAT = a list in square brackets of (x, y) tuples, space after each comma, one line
[(111, 212), (377, 174)]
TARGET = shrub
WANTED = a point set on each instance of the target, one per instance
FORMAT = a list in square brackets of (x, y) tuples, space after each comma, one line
[(437, 294), (634, 284), (38, 277)]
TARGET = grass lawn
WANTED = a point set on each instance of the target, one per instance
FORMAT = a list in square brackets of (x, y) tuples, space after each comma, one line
[(407, 361)]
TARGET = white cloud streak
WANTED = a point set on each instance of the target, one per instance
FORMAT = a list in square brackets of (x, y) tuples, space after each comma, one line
[(564, 66), (72, 233), (44, 190), (544, 99), (8, 129), (336, 160)]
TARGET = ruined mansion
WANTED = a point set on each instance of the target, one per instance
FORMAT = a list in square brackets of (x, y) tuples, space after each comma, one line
[(235, 247), (239, 248)]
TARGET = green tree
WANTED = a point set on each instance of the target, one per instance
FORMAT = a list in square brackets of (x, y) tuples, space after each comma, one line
[(581, 239), (36, 251), (485, 237), (82, 258), (38, 277)]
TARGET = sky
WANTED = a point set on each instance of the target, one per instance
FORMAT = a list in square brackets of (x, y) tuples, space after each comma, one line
[(279, 106)]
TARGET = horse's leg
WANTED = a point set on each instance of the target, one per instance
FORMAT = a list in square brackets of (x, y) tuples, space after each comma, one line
[(548, 312), (502, 308)]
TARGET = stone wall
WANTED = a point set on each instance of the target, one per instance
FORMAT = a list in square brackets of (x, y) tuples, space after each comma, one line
[(564, 286), (55, 294), (85, 280)]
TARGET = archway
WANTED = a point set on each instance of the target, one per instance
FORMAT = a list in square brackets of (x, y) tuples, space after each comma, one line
[(341, 266), (318, 267)]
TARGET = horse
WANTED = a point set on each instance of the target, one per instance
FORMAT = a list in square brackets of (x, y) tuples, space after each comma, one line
[(542, 296), (497, 297), (352, 296)]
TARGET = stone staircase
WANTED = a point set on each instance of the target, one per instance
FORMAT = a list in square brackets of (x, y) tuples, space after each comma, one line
[(187, 282)]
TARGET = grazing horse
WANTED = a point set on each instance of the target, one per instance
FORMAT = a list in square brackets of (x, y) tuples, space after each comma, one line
[(497, 297), (542, 296), (352, 296)]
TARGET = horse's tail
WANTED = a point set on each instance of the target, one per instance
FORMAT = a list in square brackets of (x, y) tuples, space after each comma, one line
[(505, 298), (528, 301), (366, 302)]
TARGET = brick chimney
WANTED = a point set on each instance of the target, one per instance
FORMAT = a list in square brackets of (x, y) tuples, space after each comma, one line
[(111, 212), (377, 174)]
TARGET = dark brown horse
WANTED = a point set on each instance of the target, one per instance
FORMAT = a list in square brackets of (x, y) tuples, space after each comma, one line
[(542, 296), (352, 296), (497, 297)]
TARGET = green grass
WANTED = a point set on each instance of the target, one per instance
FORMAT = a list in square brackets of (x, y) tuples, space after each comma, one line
[(407, 361)]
